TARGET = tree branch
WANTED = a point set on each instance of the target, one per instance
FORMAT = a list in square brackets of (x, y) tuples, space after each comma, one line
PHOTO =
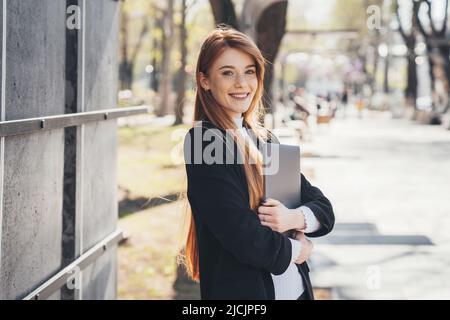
[(444, 23), (189, 7), (400, 28), (224, 12), (428, 2), (421, 28), (144, 31)]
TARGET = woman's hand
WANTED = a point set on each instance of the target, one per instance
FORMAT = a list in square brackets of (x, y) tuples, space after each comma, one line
[(307, 247), (279, 218)]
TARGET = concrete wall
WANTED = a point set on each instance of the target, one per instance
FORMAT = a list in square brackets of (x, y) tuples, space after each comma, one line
[(33, 166), (100, 187), (32, 176)]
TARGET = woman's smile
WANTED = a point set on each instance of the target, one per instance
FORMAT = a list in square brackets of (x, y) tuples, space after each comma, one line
[(240, 96)]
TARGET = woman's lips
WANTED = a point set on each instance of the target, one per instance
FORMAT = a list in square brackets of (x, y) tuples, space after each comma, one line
[(239, 96)]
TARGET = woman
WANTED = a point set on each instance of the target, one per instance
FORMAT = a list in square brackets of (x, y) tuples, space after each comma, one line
[(235, 246)]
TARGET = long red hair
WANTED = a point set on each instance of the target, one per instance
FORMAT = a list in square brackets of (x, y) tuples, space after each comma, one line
[(207, 108)]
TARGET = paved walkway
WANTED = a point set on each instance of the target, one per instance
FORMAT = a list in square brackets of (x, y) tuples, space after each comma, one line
[(388, 180)]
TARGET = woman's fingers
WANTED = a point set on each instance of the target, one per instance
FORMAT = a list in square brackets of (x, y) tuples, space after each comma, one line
[(269, 207), (266, 217), (271, 202), (300, 236), (262, 209), (271, 222), (265, 223), (307, 248), (266, 210)]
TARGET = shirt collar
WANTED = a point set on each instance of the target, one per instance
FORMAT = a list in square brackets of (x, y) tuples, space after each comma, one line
[(238, 121)]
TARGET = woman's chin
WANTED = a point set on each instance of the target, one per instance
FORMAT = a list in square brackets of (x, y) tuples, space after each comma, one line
[(239, 110), (239, 107)]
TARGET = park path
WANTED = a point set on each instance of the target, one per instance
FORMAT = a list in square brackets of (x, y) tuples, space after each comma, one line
[(388, 180)]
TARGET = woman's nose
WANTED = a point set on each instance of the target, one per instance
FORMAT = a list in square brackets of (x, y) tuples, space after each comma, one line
[(240, 80)]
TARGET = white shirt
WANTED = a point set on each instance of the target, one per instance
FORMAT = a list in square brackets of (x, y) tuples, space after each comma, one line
[(289, 285)]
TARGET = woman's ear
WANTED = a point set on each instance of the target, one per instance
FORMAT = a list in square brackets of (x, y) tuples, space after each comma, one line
[(204, 81)]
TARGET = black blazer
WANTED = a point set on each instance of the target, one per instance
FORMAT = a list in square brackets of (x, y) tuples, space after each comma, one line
[(236, 253)]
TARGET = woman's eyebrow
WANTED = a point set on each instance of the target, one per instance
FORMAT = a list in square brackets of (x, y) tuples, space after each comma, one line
[(232, 67)]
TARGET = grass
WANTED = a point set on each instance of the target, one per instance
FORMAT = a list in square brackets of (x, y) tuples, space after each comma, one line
[(146, 168), (147, 260)]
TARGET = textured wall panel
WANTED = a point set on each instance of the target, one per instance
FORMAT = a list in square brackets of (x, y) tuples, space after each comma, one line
[(32, 195), (99, 176)]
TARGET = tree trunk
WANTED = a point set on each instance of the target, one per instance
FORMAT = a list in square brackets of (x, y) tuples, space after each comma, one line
[(445, 51), (270, 30), (125, 71), (223, 11), (126, 75), (431, 64), (411, 89), (154, 83), (373, 78), (181, 84), (386, 75), (410, 42), (157, 47), (166, 47)]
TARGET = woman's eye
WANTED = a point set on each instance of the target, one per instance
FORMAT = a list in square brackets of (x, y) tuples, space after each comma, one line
[(227, 73), (250, 72)]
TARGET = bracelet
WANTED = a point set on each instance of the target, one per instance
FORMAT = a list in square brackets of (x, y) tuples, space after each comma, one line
[(304, 220)]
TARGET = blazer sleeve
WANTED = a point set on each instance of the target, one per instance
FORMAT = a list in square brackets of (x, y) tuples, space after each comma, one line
[(218, 199), (314, 199)]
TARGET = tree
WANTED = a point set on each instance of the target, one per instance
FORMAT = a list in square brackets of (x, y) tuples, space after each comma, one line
[(374, 41), (410, 43), (166, 48), (181, 83), (128, 60), (155, 53), (429, 47), (270, 30), (436, 40)]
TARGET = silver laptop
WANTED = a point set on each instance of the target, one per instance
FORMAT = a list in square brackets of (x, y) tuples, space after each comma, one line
[(281, 169)]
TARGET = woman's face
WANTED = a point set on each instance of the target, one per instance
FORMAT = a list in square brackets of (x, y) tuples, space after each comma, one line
[(232, 80)]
